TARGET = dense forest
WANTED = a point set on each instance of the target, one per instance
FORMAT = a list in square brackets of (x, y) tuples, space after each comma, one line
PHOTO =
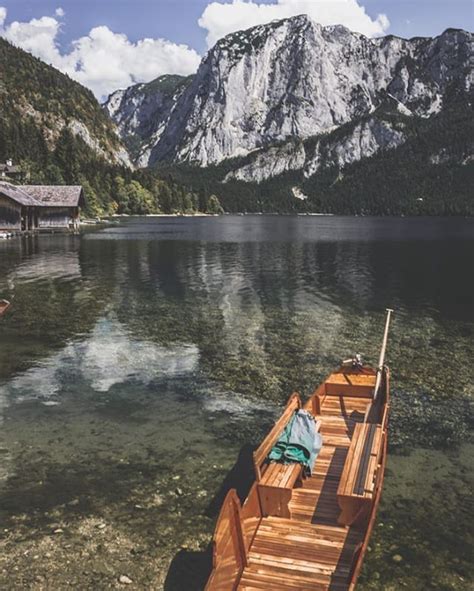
[(110, 188)]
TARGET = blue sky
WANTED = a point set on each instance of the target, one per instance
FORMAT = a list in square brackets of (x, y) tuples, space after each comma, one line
[(120, 26), (177, 20)]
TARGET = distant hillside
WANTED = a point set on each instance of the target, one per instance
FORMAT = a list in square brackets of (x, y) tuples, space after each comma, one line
[(39, 103), (58, 132), (430, 173)]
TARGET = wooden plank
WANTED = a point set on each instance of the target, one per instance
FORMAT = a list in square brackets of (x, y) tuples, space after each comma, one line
[(375, 453), (274, 500), (352, 462), (229, 557), (261, 453), (258, 577), (363, 460)]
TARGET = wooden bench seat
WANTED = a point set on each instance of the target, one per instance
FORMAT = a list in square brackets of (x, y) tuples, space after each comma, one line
[(276, 486), (350, 384), (357, 484), (281, 475), (275, 480)]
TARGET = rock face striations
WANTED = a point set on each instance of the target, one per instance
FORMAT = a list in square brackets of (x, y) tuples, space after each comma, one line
[(294, 96), (142, 111)]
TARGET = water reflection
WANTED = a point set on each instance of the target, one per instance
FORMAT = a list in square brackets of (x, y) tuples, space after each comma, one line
[(273, 314), (107, 357)]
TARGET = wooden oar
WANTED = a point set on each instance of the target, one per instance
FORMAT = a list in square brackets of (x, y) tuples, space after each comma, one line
[(378, 379)]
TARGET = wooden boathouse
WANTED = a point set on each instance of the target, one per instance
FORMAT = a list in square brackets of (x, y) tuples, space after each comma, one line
[(28, 208)]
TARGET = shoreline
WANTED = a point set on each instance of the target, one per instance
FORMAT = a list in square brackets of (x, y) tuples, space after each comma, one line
[(115, 218), (164, 215)]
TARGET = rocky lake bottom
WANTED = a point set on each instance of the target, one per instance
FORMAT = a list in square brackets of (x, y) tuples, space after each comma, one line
[(139, 364)]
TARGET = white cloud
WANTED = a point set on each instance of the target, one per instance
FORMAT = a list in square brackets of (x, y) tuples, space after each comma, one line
[(105, 61), (220, 19), (37, 36), (59, 12), (102, 60)]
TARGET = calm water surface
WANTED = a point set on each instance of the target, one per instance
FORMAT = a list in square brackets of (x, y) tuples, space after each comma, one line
[(141, 362)]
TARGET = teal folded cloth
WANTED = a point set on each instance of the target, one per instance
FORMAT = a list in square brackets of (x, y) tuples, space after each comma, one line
[(298, 443)]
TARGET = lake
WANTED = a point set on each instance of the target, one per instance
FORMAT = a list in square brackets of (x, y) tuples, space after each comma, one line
[(141, 361)]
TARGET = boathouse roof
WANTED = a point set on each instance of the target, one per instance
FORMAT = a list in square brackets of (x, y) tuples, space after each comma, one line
[(10, 168), (18, 194), (55, 195)]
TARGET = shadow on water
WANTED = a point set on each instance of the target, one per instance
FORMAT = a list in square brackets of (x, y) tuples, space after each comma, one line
[(46, 491), (240, 477), (190, 570)]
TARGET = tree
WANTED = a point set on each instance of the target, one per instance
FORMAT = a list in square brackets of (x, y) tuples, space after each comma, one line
[(214, 206), (53, 175), (141, 200), (92, 207)]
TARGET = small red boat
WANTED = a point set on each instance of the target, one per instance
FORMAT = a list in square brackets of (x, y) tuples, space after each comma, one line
[(4, 305)]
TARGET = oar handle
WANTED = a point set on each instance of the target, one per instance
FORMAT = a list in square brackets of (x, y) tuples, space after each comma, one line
[(378, 379)]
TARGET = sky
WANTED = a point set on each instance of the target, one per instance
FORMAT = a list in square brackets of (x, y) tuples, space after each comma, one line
[(111, 44)]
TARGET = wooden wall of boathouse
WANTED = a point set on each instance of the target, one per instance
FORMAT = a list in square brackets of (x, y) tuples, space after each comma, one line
[(10, 215), (57, 217)]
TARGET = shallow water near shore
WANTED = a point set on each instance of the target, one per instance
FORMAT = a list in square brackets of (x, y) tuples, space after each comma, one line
[(141, 362)]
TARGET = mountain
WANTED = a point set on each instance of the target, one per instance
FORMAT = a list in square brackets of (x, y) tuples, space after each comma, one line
[(430, 173), (39, 103), (295, 101)]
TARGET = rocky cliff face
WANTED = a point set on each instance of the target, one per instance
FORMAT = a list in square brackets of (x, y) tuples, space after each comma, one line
[(271, 88), (365, 139), (142, 112)]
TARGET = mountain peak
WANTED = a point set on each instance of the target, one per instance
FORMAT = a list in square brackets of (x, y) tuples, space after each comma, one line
[(295, 79), (254, 38)]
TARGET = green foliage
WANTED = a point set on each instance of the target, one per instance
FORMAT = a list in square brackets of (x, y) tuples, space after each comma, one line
[(35, 96), (168, 84), (214, 206), (428, 175)]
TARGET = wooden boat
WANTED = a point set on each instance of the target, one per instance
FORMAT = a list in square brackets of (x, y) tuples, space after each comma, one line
[(296, 533), (4, 305)]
